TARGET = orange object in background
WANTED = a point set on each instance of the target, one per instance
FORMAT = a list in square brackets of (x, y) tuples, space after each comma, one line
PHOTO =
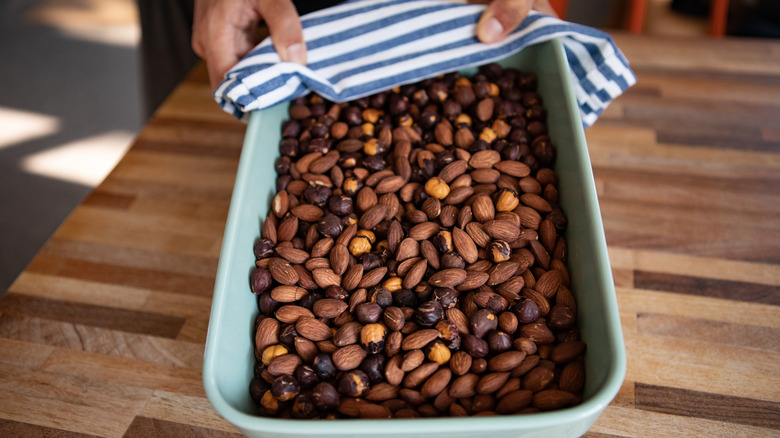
[(560, 7), (719, 10)]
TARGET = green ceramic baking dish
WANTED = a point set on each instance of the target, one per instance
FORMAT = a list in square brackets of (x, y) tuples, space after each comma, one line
[(229, 357)]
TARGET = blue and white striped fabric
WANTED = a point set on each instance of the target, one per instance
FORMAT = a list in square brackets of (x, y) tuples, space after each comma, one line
[(362, 47)]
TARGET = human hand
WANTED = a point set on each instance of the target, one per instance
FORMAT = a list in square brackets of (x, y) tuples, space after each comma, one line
[(223, 31), (502, 17)]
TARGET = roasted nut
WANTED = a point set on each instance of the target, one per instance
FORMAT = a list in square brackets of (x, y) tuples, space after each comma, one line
[(437, 188), (285, 388), (353, 383), (481, 322), (372, 337), (499, 251)]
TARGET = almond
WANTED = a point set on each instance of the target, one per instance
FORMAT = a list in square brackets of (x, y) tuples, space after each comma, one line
[(548, 235), (267, 333), (502, 230), (484, 111), (474, 279), (537, 332), (416, 377), (485, 176), (502, 272), (407, 248), (423, 231), (326, 278), (536, 202), (307, 212), (280, 204), (572, 377), (373, 277), (412, 360), (419, 339), (282, 271), (478, 234), (349, 357), (393, 372), (465, 245), (284, 364), (287, 229), (347, 334), (415, 274), (373, 410), (538, 378), (464, 386), (551, 399), (565, 352), (324, 163), (373, 216), (391, 184), (458, 195), (459, 319), (529, 217), (460, 363), (513, 168), (514, 402), (306, 349), (288, 294), (329, 307), (453, 170), (313, 329), (339, 259), (322, 247), (547, 284), (447, 278), (292, 255), (382, 391), (436, 383), (352, 277), (506, 361), (491, 383), (290, 314)]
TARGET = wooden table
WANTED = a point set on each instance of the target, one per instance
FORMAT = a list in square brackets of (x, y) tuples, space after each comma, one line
[(103, 333)]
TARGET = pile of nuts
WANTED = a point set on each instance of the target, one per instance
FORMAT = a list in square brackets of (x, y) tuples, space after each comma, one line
[(412, 263)]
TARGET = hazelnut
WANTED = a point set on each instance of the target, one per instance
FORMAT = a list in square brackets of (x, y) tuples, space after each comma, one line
[(270, 353), (487, 135), (393, 284), (463, 119), (359, 245), (285, 388), (329, 226), (372, 337), (302, 406), (526, 310), (351, 186), (474, 346), (374, 367), (323, 366), (325, 397), (499, 251), (507, 200), (437, 188), (260, 280), (446, 296), (306, 376), (340, 205), (269, 403), (482, 321), (439, 353), (368, 313), (499, 341), (448, 333), (368, 234), (443, 241), (429, 313), (353, 383)]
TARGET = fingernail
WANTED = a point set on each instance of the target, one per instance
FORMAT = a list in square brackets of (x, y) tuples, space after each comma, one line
[(295, 53), (492, 30)]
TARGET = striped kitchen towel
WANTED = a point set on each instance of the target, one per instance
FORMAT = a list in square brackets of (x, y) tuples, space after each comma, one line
[(362, 47)]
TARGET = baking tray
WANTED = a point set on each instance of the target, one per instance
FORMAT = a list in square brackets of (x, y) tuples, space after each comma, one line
[(229, 357)]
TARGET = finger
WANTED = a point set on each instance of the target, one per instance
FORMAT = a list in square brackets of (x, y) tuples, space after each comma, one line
[(284, 26), (500, 18)]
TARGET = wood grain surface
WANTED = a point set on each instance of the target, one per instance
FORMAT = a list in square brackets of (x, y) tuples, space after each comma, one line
[(103, 333)]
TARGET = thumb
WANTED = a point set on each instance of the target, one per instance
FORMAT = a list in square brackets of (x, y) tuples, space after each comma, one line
[(284, 26), (500, 18)]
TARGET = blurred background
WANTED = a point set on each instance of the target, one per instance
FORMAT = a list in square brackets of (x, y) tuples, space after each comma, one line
[(71, 100)]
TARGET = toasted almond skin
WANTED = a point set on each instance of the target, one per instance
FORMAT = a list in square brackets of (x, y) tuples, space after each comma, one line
[(349, 357), (448, 277), (313, 329), (288, 294), (506, 361), (464, 386), (290, 314), (465, 245), (267, 333), (550, 399), (436, 383), (419, 339), (329, 307)]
